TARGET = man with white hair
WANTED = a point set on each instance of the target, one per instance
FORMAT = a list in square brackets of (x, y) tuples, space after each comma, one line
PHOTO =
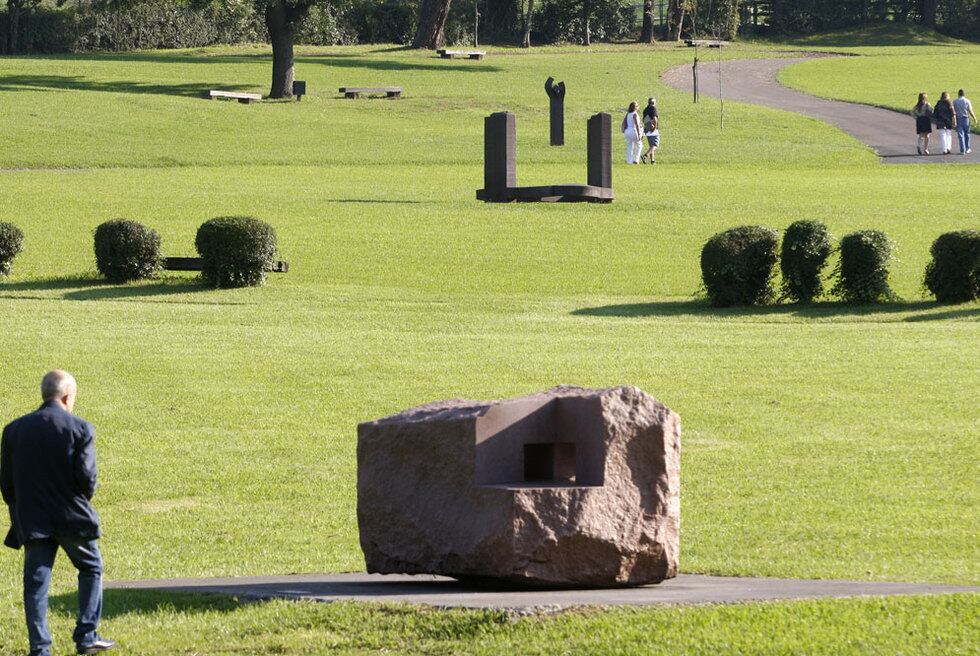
[(48, 478)]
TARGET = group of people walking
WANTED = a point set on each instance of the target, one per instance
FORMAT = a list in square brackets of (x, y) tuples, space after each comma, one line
[(635, 128), (947, 115)]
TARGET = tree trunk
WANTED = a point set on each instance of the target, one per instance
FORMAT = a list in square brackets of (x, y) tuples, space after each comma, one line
[(526, 41), (586, 22), (927, 12), (432, 22), (277, 21), (676, 11), (13, 24), (646, 33)]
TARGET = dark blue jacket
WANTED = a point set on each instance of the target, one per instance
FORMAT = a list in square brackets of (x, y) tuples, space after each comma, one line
[(48, 476)]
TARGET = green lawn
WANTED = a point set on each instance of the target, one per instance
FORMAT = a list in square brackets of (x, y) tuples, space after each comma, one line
[(823, 442)]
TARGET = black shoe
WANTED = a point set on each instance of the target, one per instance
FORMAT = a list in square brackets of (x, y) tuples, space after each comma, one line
[(98, 645)]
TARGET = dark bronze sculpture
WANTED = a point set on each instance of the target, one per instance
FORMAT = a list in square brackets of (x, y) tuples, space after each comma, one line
[(500, 165), (557, 94)]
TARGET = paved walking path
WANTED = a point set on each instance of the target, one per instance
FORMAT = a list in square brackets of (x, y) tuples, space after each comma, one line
[(890, 134), (443, 592)]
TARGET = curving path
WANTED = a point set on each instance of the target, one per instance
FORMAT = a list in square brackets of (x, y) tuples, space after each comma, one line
[(888, 133)]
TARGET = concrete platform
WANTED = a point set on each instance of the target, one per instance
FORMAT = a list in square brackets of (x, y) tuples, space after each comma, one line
[(686, 589)]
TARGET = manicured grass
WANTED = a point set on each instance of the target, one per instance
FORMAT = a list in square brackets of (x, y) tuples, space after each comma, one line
[(821, 442), (150, 623)]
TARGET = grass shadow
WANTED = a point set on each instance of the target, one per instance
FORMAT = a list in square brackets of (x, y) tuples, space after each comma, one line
[(96, 289), (79, 83), (382, 201), (701, 308), (397, 65), (121, 602), (960, 313), (885, 34)]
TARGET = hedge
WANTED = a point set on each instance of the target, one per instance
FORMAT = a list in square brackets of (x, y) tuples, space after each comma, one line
[(737, 266), (126, 250), (862, 272), (806, 247), (237, 251), (953, 275), (11, 243)]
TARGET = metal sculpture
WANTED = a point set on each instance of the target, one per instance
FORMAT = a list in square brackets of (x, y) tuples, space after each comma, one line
[(557, 94), (500, 165)]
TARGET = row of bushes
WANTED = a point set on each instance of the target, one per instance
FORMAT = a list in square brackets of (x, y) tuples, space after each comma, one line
[(236, 251), (738, 265)]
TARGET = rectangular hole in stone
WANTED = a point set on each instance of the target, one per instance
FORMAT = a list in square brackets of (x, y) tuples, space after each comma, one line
[(552, 462)]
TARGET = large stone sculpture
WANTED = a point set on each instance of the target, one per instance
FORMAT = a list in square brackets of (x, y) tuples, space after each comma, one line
[(500, 165), (569, 487), (556, 92)]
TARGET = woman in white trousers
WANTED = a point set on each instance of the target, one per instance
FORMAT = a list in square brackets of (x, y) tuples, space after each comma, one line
[(633, 132)]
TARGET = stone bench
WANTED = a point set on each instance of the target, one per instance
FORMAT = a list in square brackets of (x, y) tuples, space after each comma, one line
[(244, 98), (355, 92), (196, 264), (704, 42), (469, 54)]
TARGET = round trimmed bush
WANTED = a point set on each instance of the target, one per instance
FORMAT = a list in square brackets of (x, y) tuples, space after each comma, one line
[(126, 250), (806, 247), (737, 266), (237, 251), (953, 275), (862, 272), (11, 243)]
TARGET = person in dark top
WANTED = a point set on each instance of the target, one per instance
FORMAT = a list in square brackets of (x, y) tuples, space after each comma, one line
[(923, 123), (945, 119), (48, 477), (651, 129)]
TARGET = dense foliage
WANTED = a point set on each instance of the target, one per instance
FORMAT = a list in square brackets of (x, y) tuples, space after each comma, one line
[(237, 251), (953, 274), (961, 17), (123, 25), (862, 272), (126, 250), (11, 243), (806, 247), (737, 266)]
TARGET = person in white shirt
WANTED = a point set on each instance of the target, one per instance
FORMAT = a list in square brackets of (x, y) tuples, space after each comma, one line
[(964, 112), (633, 132)]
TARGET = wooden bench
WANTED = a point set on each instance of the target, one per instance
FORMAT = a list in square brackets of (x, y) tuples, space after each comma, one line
[(244, 98), (704, 42), (195, 264), (355, 92), (469, 54)]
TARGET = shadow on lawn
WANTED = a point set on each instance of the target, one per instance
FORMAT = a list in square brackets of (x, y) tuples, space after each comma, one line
[(339, 59), (117, 603), (79, 83), (96, 289), (373, 64), (698, 308), (877, 35)]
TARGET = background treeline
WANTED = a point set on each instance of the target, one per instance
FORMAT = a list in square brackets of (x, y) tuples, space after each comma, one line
[(115, 25)]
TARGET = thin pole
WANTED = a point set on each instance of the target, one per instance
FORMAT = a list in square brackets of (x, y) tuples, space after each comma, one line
[(721, 96), (476, 23), (697, 96)]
